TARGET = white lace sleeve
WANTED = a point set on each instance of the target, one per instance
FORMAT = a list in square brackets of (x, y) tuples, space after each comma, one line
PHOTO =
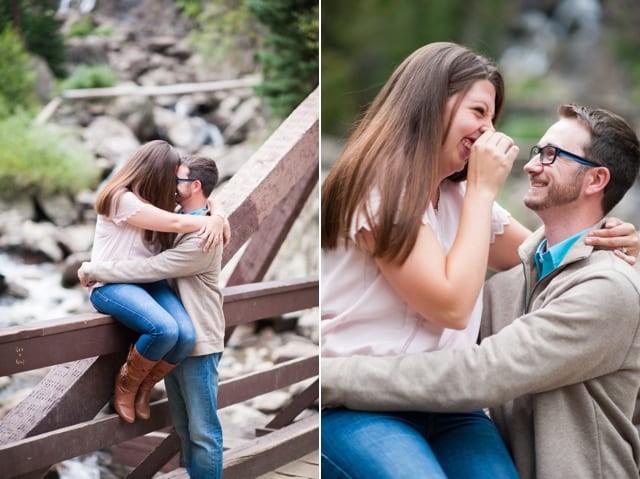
[(499, 219)]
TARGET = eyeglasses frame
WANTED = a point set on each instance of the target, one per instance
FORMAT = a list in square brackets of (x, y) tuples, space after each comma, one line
[(185, 180), (537, 150)]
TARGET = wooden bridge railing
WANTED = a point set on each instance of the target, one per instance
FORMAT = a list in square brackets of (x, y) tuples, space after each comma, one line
[(57, 421)]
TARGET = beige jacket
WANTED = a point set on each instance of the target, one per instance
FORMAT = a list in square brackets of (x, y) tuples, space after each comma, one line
[(561, 379), (196, 280)]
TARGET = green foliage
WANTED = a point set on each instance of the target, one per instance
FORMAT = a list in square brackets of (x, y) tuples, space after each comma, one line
[(285, 32), (364, 40), (226, 28), (90, 76), (289, 55), (17, 76), (81, 28), (189, 8), (39, 29), (42, 159)]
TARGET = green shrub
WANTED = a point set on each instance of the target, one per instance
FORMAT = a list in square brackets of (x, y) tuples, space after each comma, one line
[(39, 29), (81, 28), (189, 8), (42, 160), (90, 76), (17, 77)]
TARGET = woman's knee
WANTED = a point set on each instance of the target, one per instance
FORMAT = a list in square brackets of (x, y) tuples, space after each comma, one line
[(187, 337)]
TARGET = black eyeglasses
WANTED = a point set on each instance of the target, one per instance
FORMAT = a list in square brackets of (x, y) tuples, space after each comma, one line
[(182, 180), (549, 154)]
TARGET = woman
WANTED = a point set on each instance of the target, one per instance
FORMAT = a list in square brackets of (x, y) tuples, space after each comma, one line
[(409, 228), (136, 219)]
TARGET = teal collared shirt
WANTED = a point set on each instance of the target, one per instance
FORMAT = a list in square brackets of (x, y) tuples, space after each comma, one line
[(201, 211), (549, 259)]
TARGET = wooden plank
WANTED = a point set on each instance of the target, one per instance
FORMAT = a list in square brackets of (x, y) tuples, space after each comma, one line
[(239, 389), (165, 454), (52, 347), (155, 90), (69, 393), (269, 452), (271, 173), (281, 375), (305, 467), (39, 451), (299, 403), (288, 298), (46, 343), (266, 242)]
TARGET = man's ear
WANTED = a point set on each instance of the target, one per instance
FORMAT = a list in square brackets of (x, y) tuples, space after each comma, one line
[(597, 179)]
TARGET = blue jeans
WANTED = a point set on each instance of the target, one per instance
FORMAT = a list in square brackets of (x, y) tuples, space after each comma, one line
[(154, 311), (192, 390), (412, 445)]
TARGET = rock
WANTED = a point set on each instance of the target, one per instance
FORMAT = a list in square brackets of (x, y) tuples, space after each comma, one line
[(88, 50), (36, 241), (70, 269), (271, 402), (295, 348), (110, 138), (45, 81), (241, 120), (137, 113), (229, 158)]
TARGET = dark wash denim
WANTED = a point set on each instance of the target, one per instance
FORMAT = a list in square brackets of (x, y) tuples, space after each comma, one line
[(412, 445)]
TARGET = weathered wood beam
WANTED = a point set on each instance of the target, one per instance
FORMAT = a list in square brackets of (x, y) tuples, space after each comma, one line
[(46, 343), (35, 452), (271, 173)]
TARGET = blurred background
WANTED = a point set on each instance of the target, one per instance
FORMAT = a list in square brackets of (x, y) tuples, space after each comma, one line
[(549, 51)]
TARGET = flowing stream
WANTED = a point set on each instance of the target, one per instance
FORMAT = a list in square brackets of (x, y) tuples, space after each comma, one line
[(46, 299)]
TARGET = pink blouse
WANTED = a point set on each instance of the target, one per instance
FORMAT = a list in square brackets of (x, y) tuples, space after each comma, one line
[(363, 315)]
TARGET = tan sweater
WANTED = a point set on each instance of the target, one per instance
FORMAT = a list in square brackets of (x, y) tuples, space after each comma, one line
[(561, 379), (196, 280)]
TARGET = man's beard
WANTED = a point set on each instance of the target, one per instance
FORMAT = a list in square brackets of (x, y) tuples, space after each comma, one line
[(556, 196)]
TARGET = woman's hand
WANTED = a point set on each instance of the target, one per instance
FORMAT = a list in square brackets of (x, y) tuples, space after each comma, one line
[(491, 160), (620, 237), (212, 233), (84, 277)]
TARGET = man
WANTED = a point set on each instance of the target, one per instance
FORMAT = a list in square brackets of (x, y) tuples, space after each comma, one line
[(563, 377), (192, 387)]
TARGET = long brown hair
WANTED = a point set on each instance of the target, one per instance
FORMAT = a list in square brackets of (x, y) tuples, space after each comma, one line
[(151, 175), (396, 145)]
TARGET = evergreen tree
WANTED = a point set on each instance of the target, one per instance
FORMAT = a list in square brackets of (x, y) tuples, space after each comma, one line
[(290, 54), (35, 21)]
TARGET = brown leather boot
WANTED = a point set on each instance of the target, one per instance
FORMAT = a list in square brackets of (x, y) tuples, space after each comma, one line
[(159, 371), (128, 380)]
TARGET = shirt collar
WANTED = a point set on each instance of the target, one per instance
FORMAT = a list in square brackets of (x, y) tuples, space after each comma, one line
[(549, 259), (201, 211)]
